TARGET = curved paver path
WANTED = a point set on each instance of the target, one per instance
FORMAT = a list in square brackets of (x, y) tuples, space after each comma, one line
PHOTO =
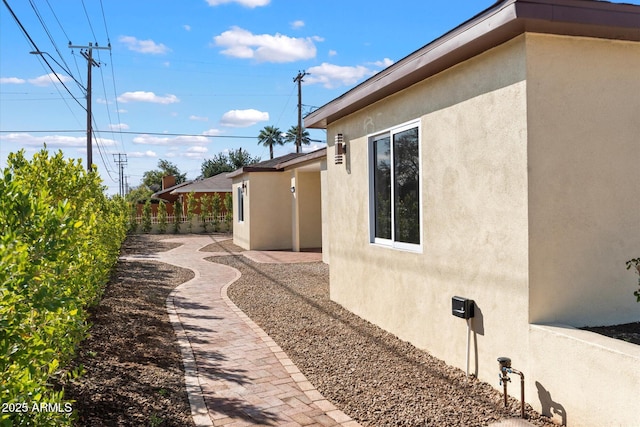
[(236, 375)]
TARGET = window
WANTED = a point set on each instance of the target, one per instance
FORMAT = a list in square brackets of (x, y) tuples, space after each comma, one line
[(395, 187), (240, 204)]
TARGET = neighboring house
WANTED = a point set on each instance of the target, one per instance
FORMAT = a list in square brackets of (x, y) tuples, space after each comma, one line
[(501, 163), (218, 184), (167, 186), (277, 203)]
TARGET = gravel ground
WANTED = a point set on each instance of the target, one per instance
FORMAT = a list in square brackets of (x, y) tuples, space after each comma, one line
[(370, 374)]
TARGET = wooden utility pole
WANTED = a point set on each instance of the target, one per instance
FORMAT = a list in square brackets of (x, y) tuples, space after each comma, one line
[(298, 79), (121, 160), (87, 52)]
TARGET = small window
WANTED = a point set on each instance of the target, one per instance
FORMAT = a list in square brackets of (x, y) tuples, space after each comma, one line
[(395, 188), (240, 205)]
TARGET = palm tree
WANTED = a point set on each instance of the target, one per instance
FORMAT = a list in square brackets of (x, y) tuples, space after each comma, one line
[(270, 136), (292, 136)]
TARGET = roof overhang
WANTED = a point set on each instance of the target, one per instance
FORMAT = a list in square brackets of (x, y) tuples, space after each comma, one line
[(492, 27), (288, 164)]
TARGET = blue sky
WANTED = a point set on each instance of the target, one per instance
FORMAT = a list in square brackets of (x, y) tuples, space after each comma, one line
[(190, 79)]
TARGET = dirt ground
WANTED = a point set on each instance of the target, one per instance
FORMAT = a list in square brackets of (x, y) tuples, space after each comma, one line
[(133, 367), (629, 332)]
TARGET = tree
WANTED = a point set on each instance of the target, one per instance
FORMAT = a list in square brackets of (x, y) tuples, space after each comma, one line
[(292, 136), (153, 179), (270, 136), (239, 158), (138, 194), (222, 162), (217, 165)]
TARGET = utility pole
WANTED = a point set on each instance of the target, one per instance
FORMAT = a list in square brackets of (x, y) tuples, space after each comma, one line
[(121, 160), (88, 55), (298, 79)]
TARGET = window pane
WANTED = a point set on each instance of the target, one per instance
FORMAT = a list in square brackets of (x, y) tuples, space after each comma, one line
[(406, 189), (382, 186), (240, 205)]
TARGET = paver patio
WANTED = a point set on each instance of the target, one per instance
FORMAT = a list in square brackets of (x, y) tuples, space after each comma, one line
[(235, 374)]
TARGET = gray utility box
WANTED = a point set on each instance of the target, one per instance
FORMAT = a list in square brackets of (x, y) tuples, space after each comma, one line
[(462, 307)]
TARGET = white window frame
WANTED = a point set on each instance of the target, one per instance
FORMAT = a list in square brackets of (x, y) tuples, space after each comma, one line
[(240, 204), (391, 243)]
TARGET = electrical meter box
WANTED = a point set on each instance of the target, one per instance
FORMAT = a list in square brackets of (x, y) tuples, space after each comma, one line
[(462, 307)]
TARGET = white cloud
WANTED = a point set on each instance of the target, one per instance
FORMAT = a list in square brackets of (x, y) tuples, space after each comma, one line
[(212, 132), (144, 46), (196, 152), (240, 43), (198, 118), (243, 118), (118, 126), (333, 52), (187, 27), (246, 3), (141, 96), (139, 154), (297, 24), (52, 141), (332, 76), (386, 62), (12, 80), (47, 79), (170, 140)]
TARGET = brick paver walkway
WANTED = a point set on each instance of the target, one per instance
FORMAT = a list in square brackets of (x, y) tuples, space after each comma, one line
[(236, 375)]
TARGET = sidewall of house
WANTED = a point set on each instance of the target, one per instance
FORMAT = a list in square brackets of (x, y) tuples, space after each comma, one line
[(584, 222), (474, 215), (584, 173), (241, 229), (267, 204)]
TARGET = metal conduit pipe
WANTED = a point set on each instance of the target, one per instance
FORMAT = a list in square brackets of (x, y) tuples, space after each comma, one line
[(505, 369)]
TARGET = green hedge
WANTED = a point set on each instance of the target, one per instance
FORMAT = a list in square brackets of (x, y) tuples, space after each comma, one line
[(61, 237)]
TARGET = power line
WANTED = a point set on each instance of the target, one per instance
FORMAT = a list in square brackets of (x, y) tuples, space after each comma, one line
[(36, 49), (130, 132)]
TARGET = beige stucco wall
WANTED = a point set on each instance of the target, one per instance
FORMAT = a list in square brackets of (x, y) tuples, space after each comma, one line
[(584, 178), (309, 209), (583, 378), (584, 223), (474, 207), (530, 157), (241, 229), (267, 205)]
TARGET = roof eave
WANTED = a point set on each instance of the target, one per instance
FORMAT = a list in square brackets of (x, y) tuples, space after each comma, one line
[(496, 25)]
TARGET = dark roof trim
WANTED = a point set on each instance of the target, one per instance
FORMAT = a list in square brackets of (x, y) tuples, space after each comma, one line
[(501, 22), (307, 158), (279, 163), (170, 189)]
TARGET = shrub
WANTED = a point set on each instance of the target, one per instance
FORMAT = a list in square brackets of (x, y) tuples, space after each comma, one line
[(216, 206), (162, 217), (61, 237), (206, 203), (146, 217), (192, 204), (177, 216), (228, 204), (635, 263)]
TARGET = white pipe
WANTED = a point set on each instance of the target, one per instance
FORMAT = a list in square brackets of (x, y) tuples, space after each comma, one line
[(468, 343)]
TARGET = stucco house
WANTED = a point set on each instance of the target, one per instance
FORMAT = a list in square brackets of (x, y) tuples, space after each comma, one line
[(499, 163), (277, 203)]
